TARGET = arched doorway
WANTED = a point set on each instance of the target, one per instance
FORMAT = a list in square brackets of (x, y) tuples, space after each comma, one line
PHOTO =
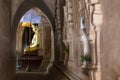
[(24, 38), (24, 8)]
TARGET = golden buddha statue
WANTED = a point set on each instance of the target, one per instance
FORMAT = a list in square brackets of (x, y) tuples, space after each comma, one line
[(34, 46)]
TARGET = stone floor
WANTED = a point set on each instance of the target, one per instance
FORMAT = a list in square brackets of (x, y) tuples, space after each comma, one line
[(31, 76)]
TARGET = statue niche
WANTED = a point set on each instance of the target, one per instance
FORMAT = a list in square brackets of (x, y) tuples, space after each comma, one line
[(30, 60)]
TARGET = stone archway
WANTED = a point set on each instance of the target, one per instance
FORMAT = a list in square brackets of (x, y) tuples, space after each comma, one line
[(24, 7)]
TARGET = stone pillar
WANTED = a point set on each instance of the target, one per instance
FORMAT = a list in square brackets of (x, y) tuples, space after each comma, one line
[(45, 30), (59, 25), (70, 35), (97, 15), (95, 20), (93, 8), (7, 58)]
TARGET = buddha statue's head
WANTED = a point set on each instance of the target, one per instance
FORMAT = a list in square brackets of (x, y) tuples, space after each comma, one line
[(35, 27)]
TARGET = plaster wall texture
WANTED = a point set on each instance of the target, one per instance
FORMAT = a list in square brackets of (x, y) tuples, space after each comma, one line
[(15, 5), (110, 40)]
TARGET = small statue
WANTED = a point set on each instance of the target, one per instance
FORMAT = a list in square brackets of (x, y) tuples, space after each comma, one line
[(34, 46), (84, 38), (85, 57)]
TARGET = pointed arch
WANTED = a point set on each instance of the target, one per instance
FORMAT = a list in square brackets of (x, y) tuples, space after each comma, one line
[(23, 8)]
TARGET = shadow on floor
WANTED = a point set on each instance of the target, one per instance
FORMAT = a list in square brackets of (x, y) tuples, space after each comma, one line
[(31, 76)]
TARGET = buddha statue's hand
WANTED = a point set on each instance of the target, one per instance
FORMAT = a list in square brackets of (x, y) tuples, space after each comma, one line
[(31, 49)]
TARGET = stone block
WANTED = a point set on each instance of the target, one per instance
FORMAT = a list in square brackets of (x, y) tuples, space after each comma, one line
[(97, 19), (98, 9), (94, 1)]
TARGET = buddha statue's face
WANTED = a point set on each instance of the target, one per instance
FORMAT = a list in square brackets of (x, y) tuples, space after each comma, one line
[(35, 29)]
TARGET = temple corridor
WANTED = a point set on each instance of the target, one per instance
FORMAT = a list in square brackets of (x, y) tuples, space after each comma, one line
[(59, 40)]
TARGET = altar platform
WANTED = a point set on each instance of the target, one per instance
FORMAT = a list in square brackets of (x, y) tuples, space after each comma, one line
[(31, 61)]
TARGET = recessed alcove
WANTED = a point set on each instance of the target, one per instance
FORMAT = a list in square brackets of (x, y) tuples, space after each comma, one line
[(24, 37)]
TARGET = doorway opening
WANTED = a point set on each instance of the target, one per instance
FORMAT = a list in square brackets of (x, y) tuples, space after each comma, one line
[(34, 42)]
